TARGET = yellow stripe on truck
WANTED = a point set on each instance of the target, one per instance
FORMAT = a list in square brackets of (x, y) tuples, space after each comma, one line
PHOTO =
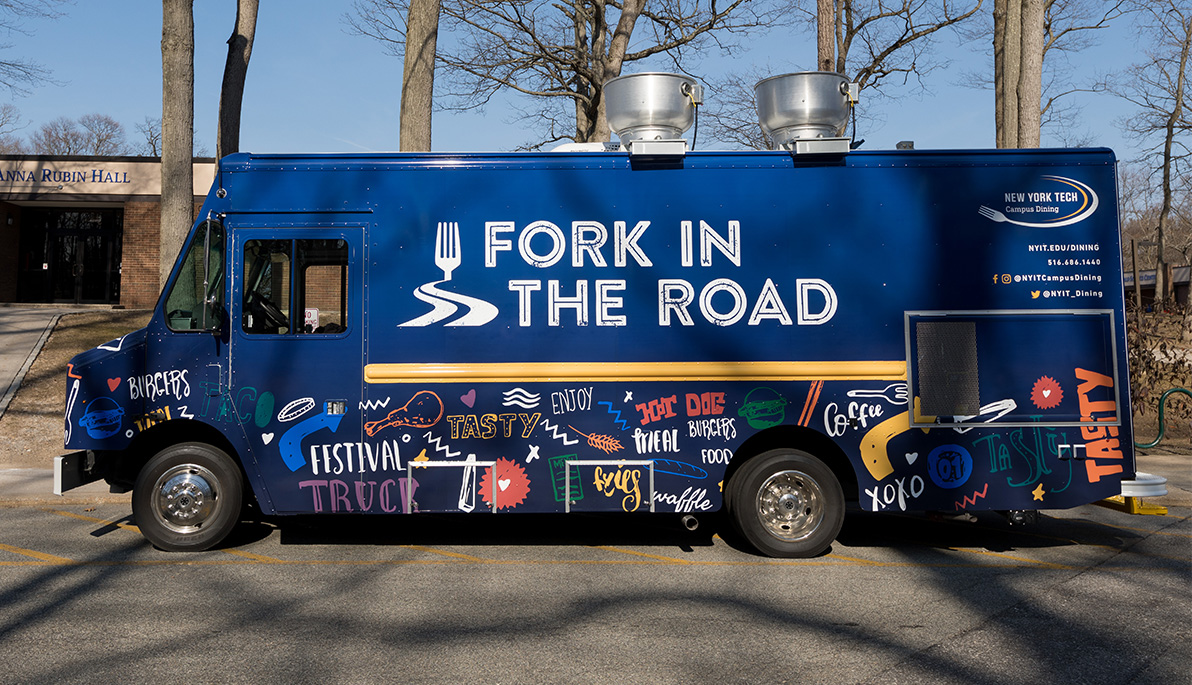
[(635, 372)]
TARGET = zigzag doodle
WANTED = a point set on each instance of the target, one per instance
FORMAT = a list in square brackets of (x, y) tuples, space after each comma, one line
[(375, 404), (616, 416), (559, 434), (977, 494), (439, 446)]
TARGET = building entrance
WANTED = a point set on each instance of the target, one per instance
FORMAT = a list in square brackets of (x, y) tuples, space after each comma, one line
[(70, 255)]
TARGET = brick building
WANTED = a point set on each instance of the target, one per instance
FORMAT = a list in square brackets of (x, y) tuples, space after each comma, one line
[(83, 230)]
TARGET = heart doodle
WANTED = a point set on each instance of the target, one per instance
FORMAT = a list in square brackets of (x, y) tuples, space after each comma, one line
[(113, 383), (504, 484), (469, 398), (1047, 392), (266, 438), (911, 457)]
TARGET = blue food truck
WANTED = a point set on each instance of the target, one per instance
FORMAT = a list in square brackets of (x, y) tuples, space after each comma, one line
[(769, 334)]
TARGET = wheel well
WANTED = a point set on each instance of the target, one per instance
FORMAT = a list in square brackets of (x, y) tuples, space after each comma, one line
[(798, 437), (162, 435)]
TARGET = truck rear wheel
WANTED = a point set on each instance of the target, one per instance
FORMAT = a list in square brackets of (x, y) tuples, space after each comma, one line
[(786, 503), (188, 497)]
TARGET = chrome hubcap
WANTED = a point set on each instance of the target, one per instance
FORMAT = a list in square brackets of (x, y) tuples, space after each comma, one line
[(184, 498), (790, 505)]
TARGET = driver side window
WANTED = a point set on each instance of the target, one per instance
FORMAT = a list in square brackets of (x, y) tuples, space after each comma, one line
[(266, 307)]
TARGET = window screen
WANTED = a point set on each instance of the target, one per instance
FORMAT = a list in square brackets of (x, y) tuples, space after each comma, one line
[(946, 364)]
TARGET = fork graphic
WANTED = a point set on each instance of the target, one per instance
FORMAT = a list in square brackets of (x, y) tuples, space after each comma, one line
[(447, 255), (991, 214), (895, 393)]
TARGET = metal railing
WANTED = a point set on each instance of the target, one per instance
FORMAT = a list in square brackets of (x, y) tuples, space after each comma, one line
[(1162, 424)]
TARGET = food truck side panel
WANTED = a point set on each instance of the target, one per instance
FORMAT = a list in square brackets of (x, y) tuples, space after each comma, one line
[(516, 325), (658, 275)]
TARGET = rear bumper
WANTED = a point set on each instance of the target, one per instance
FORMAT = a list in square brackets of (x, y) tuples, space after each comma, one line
[(75, 470)]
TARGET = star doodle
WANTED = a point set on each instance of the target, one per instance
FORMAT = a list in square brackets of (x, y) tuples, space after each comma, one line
[(1038, 493)]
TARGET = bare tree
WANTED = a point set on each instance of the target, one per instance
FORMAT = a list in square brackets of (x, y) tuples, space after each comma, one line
[(1030, 74), (1158, 87), (18, 75), (731, 118), (880, 44), (562, 53), (231, 95), (418, 75), (177, 129), (1007, 61), (61, 136), (1069, 26), (102, 135), (90, 134), (10, 122), (825, 35), (877, 40), (150, 130)]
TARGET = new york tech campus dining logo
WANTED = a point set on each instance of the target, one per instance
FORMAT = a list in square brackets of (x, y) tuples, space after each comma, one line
[(1053, 201)]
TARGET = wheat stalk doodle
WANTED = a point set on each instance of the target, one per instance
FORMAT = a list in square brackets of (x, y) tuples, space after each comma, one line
[(605, 443)]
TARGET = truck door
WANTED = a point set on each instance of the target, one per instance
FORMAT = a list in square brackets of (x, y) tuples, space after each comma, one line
[(296, 374)]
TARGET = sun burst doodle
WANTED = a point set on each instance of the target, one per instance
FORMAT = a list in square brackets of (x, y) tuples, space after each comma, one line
[(1047, 393), (512, 484)]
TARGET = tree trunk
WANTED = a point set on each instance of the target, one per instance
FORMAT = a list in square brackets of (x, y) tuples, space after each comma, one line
[(825, 34), (1030, 78), (1012, 63), (231, 94), (1169, 133), (609, 66), (418, 75), (177, 129), (999, 71)]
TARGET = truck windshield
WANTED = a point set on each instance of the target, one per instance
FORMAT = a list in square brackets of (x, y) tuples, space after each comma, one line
[(196, 296)]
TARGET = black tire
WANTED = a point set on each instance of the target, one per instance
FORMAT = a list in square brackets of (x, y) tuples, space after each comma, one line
[(188, 497), (786, 503)]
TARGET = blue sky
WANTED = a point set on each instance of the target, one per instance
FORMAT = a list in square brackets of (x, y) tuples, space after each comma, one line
[(314, 87)]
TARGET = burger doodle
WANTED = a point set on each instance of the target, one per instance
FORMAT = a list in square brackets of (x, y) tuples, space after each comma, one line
[(763, 408), (102, 418)]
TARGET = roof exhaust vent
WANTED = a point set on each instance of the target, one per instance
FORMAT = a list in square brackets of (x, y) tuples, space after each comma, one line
[(648, 107), (806, 106)]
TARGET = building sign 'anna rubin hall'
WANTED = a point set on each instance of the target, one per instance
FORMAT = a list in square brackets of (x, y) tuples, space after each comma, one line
[(83, 230)]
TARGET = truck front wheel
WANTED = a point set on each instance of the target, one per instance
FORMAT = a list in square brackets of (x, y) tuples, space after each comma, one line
[(786, 503), (187, 497)]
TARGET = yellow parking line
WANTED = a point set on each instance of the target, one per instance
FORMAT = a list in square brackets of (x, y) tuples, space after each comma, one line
[(251, 555), (857, 560), (1011, 557), (656, 557), (106, 522), (454, 555), (1138, 530), (41, 556)]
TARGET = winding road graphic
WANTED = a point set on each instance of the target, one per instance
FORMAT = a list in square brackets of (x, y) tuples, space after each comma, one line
[(445, 303)]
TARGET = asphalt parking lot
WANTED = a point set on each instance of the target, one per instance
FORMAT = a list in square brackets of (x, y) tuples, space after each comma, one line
[(1088, 595)]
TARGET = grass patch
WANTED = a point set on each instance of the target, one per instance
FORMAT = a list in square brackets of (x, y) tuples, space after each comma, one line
[(32, 425)]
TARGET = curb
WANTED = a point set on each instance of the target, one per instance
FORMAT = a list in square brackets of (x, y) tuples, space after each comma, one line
[(23, 487)]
